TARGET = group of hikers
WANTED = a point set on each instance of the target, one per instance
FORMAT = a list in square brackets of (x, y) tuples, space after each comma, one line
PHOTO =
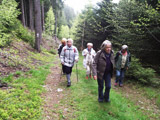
[(100, 65)]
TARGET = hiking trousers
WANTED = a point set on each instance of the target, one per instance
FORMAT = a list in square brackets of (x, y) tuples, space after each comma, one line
[(106, 95)]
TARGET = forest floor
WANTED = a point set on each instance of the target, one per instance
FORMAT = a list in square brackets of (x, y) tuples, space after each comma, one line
[(80, 100), (56, 91)]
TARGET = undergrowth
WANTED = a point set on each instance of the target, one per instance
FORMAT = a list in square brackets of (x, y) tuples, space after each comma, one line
[(23, 101)]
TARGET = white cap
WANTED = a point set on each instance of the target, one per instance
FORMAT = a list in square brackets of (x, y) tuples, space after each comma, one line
[(89, 44), (124, 47)]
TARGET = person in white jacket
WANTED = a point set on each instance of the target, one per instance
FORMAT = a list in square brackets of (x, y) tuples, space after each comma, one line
[(89, 54), (69, 56)]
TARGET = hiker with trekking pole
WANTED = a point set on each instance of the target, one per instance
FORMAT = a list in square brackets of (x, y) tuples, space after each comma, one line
[(89, 54), (69, 56), (103, 69), (122, 61)]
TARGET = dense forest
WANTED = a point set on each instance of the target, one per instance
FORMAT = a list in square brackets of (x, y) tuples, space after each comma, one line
[(132, 22), (52, 17)]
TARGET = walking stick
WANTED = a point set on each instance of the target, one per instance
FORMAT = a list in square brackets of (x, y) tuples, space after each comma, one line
[(61, 74), (90, 71), (77, 72)]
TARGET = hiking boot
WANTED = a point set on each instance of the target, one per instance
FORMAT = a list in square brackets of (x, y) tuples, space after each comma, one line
[(108, 101), (90, 76), (69, 84), (86, 77), (121, 85), (100, 101), (115, 84)]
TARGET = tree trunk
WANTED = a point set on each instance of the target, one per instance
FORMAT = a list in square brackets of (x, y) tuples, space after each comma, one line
[(55, 27), (25, 12), (31, 15), (23, 16), (38, 25), (43, 24)]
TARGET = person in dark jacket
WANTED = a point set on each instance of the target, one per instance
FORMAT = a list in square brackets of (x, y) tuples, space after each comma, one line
[(103, 69), (60, 47), (122, 61)]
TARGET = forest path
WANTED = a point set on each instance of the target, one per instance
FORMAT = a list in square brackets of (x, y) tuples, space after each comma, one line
[(56, 91)]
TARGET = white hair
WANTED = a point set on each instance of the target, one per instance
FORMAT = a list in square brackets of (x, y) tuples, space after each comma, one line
[(89, 44), (106, 42), (124, 47), (70, 40)]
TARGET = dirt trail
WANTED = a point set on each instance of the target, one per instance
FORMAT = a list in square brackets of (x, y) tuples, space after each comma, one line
[(135, 95), (56, 93)]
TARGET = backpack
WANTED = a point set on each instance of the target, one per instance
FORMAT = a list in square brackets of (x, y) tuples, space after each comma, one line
[(60, 49)]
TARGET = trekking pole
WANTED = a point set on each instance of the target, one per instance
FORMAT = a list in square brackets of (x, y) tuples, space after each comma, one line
[(60, 75), (90, 71), (77, 72)]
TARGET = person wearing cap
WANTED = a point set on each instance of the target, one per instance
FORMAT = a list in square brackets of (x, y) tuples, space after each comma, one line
[(103, 70), (89, 54), (69, 56), (60, 47), (122, 62)]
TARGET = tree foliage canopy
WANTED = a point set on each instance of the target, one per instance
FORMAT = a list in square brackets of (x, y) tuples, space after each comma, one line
[(131, 22)]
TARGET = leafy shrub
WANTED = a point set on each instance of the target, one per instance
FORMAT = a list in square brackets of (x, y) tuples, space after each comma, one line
[(24, 34), (4, 39), (8, 18), (143, 75), (53, 51), (10, 26)]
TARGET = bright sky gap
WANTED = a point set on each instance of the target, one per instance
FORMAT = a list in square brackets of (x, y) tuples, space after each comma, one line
[(79, 5)]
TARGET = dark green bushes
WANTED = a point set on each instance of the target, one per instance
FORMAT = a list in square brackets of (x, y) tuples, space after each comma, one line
[(10, 26), (143, 75), (24, 33), (8, 17)]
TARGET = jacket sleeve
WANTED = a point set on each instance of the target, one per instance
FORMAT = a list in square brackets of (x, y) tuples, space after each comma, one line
[(62, 55), (94, 53), (116, 57), (76, 54), (84, 52), (94, 65)]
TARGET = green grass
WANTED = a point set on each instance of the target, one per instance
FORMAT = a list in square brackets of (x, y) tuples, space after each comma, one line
[(152, 93), (84, 97), (149, 92), (23, 100)]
